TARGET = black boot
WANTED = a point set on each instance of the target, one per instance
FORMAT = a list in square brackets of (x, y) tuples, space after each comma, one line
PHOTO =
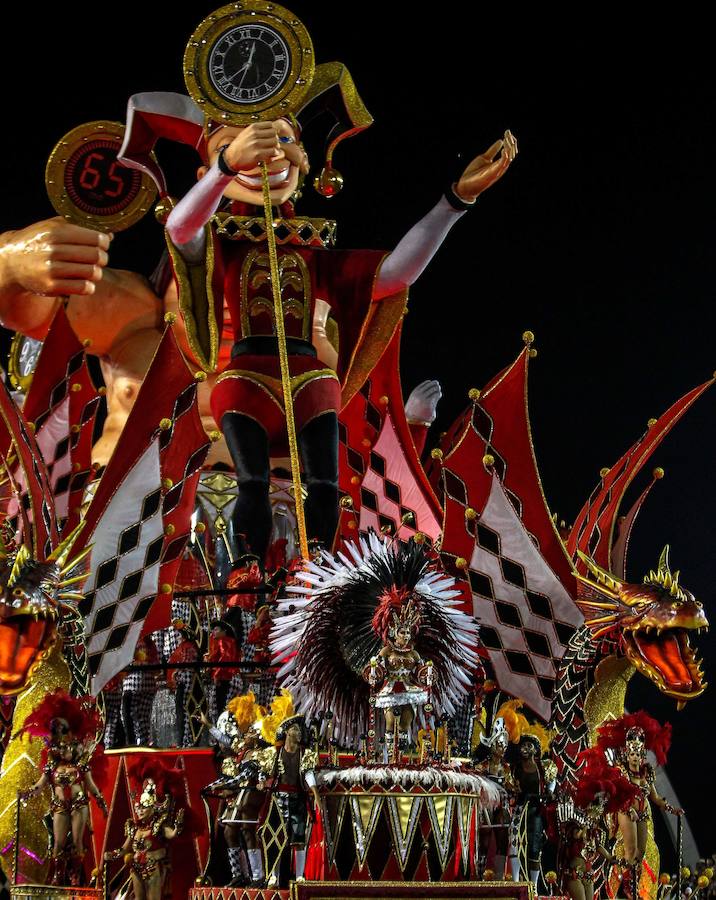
[(248, 444), (318, 446)]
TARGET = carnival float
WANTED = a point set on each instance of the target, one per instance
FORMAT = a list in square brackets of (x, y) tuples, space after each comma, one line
[(254, 641)]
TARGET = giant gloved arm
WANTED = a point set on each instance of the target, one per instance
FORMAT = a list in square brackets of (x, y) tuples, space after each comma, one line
[(420, 411), (186, 222), (406, 263)]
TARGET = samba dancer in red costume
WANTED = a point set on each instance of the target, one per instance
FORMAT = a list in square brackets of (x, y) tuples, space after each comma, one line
[(70, 728), (630, 737), (148, 834), (582, 832)]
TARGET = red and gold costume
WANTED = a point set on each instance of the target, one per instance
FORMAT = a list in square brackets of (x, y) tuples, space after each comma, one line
[(147, 835), (149, 846), (250, 384), (70, 728), (65, 777)]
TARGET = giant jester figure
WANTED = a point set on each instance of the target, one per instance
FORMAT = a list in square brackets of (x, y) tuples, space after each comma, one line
[(250, 74)]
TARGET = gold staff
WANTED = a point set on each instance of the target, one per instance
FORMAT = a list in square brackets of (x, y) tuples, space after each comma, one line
[(283, 359)]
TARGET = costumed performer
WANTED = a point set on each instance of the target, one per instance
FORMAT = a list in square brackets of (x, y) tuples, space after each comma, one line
[(583, 835), (533, 792), (224, 648), (403, 679), (70, 728), (291, 779), (153, 826), (181, 681), (247, 760), (630, 737), (138, 689), (491, 762), (324, 636)]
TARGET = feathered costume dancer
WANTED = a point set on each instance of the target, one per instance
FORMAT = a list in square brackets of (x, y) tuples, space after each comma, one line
[(70, 728), (324, 634), (147, 834), (630, 737), (600, 790)]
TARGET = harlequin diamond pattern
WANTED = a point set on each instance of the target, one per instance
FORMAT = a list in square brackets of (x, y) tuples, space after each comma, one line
[(119, 593), (525, 614), (53, 440), (387, 505)]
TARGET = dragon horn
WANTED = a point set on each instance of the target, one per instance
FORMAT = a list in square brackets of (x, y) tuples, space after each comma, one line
[(664, 561), (83, 554), (664, 577), (603, 577), (610, 597), (22, 556)]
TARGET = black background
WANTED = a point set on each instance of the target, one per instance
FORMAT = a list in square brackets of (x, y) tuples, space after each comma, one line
[(598, 239)]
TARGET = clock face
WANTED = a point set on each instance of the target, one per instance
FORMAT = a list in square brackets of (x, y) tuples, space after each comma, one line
[(249, 60), (249, 63)]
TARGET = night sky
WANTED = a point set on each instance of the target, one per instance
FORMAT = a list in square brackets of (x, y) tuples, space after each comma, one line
[(598, 239)]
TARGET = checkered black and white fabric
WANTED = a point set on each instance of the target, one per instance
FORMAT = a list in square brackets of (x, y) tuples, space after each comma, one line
[(53, 439), (390, 492), (137, 712), (112, 710), (166, 640), (526, 615), (120, 590)]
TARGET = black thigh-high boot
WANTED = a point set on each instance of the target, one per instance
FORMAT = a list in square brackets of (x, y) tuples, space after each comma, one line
[(248, 444), (318, 446)]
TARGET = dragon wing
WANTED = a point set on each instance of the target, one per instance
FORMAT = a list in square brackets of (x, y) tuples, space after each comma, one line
[(499, 531), (594, 527)]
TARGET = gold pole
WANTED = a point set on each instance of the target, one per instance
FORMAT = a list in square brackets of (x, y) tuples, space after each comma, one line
[(283, 359)]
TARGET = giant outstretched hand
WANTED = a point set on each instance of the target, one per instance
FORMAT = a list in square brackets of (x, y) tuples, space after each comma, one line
[(486, 169)]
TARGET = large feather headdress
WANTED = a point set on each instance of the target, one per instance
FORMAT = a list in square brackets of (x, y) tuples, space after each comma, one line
[(327, 630)]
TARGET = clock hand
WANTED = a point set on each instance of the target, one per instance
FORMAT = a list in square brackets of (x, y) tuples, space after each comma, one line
[(245, 68)]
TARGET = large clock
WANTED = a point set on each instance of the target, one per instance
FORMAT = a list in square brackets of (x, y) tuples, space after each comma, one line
[(249, 60)]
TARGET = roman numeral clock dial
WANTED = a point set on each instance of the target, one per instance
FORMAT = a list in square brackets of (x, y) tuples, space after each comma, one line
[(249, 61)]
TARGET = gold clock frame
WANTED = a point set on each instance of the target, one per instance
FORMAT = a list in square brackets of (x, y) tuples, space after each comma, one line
[(55, 182), (287, 99)]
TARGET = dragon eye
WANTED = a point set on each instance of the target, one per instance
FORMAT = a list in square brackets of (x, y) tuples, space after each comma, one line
[(18, 592)]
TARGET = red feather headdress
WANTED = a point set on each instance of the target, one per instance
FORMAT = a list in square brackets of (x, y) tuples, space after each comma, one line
[(657, 737), (81, 714), (596, 776)]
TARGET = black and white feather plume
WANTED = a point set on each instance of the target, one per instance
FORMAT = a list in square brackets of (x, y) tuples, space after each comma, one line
[(323, 636)]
